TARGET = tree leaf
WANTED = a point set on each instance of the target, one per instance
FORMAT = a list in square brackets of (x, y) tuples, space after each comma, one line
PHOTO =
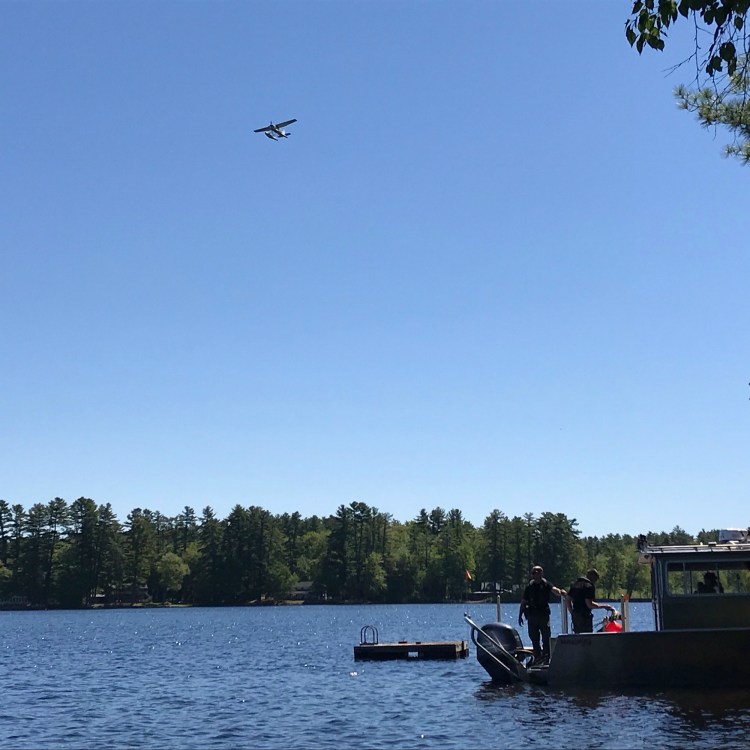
[(727, 51)]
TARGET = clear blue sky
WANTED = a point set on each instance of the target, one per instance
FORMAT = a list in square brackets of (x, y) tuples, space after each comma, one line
[(494, 266)]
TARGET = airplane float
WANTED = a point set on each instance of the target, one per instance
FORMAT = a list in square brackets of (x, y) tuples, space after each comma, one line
[(274, 132)]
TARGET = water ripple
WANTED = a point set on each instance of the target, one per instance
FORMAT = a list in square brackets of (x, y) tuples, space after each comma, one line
[(285, 677)]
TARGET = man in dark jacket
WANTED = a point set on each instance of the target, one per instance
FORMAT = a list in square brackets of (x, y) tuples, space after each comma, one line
[(581, 602), (535, 607)]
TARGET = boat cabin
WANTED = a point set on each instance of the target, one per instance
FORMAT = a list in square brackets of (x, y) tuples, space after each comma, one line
[(700, 586)]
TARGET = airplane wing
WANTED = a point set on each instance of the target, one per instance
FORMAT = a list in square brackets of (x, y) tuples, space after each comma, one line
[(263, 130), (284, 124)]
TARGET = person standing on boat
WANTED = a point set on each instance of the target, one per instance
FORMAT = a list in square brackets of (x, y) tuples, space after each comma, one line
[(581, 602), (535, 607)]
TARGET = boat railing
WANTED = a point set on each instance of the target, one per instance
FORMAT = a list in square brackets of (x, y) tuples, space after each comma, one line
[(517, 673), (625, 612)]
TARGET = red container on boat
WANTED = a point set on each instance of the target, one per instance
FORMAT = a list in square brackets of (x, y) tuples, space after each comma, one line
[(613, 626)]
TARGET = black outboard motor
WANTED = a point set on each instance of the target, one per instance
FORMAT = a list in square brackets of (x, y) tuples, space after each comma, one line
[(510, 654), (506, 635)]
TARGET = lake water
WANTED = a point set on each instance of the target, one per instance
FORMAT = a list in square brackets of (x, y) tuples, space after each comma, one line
[(285, 677)]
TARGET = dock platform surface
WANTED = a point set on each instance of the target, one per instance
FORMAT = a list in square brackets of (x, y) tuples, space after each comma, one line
[(413, 650)]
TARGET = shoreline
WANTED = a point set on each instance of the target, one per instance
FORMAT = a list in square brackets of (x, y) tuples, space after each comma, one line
[(266, 603)]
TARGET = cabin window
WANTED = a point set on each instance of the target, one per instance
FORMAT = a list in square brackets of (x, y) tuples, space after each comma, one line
[(689, 578)]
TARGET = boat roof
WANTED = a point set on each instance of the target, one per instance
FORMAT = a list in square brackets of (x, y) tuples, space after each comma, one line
[(734, 549)]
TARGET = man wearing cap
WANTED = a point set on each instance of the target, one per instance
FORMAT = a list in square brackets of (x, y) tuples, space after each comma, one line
[(581, 602), (535, 606)]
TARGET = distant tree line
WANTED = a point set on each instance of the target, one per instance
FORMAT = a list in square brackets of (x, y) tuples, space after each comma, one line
[(58, 554)]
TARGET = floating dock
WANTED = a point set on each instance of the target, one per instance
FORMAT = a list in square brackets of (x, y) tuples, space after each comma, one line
[(413, 650), (370, 648)]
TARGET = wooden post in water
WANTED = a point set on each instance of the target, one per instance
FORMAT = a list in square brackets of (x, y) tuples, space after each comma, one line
[(498, 607)]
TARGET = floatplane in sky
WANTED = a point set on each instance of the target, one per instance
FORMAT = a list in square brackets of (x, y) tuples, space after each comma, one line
[(274, 132)]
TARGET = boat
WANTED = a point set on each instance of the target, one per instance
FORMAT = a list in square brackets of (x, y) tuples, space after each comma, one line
[(701, 635)]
